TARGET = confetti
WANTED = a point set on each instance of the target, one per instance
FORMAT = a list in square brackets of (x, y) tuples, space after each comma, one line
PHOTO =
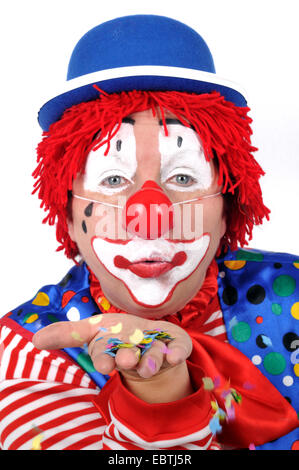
[(36, 430), (214, 406), (233, 322), (222, 415), (76, 336), (230, 413), (266, 340), (151, 364), (136, 337), (165, 349), (248, 386), (103, 329), (215, 425), (146, 341), (96, 319), (217, 382), (101, 337), (228, 401), (208, 383), (36, 443), (236, 396), (138, 354), (116, 329)]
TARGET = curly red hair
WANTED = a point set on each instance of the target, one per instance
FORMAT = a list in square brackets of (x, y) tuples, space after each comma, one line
[(224, 130)]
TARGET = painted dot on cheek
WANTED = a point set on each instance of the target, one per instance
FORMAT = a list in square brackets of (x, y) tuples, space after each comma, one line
[(84, 226), (88, 210)]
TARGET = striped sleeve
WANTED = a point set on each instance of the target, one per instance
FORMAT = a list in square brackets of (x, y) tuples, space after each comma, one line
[(48, 402), (45, 399), (215, 326), (134, 424)]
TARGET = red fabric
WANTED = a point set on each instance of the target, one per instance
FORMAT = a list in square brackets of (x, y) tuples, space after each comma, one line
[(263, 414)]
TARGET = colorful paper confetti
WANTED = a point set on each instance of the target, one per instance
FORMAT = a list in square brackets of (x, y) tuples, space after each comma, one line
[(248, 386), (147, 339), (95, 319), (208, 383), (233, 322), (36, 443), (103, 329), (215, 425), (116, 328), (165, 349), (136, 337), (76, 336), (101, 337), (152, 364)]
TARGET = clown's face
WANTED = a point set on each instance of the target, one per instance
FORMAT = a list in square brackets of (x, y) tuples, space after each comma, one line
[(144, 274)]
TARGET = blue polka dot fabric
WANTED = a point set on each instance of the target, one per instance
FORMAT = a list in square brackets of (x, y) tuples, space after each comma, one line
[(259, 297)]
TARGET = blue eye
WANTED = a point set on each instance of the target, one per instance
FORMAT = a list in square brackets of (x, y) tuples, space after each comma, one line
[(114, 180), (183, 179)]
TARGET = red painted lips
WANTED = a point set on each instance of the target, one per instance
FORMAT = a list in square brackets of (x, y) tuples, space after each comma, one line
[(146, 268)]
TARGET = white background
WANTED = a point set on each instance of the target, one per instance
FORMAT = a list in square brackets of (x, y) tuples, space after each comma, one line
[(254, 43)]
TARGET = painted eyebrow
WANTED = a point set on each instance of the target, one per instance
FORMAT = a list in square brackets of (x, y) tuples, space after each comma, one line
[(129, 120), (171, 121), (175, 121)]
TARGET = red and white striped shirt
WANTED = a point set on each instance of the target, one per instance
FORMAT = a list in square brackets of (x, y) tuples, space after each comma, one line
[(46, 398)]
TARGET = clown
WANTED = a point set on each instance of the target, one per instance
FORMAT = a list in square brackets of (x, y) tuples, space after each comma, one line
[(146, 168)]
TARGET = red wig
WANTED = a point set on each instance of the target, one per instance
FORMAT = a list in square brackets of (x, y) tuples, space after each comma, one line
[(224, 130)]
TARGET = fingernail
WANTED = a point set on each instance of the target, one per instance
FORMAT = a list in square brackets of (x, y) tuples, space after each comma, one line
[(152, 364)]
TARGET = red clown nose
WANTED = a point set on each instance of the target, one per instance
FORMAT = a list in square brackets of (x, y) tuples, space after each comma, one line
[(148, 213)]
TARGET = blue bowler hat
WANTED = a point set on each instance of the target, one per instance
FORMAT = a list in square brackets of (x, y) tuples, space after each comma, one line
[(139, 52)]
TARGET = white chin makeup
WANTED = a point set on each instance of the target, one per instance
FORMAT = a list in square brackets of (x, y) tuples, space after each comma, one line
[(154, 291)]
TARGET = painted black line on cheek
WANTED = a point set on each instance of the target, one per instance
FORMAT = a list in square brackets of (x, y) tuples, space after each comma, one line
[(118, 145), (88, 209), (84, 226)]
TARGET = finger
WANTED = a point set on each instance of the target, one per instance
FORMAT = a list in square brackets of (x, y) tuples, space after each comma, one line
[(127, 358), (152, 360), (178, 350), (180, 347), (69, 334), (102, 361)]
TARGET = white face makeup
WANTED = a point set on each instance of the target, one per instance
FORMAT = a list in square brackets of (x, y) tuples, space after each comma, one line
[(121, 161), (182, 154), (151, 292), (149, 269)]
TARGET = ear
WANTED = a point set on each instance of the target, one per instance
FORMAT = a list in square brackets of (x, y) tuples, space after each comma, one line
[(223, 224), (69, 220)]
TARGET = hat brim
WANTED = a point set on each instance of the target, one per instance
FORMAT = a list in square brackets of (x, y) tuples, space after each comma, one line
[(155, 78)]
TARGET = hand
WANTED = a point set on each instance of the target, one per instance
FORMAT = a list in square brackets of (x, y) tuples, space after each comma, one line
[(96, 330)]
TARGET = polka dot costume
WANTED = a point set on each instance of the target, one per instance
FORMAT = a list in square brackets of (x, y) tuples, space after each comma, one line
[(259, 296)]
